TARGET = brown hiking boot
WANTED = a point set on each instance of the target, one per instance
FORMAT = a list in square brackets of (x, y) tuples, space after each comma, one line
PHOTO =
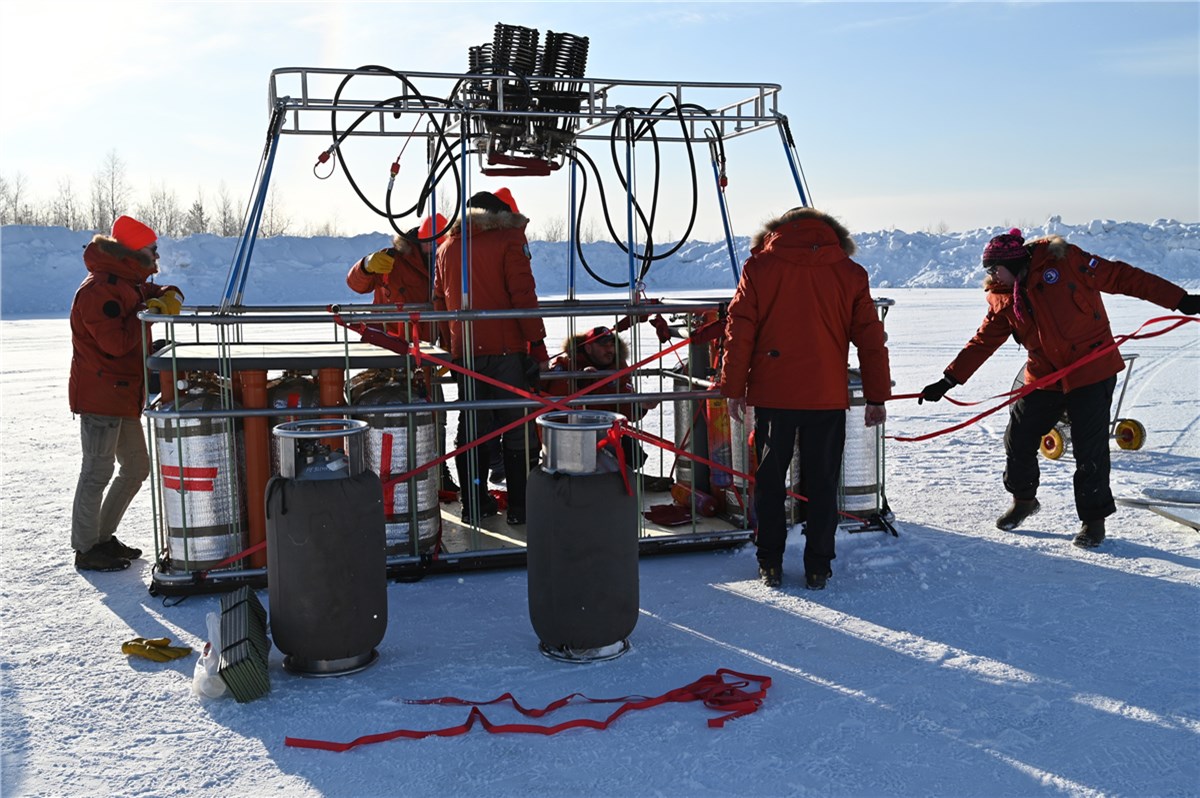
[(1091, 534), (96, 559), (1015, 515)]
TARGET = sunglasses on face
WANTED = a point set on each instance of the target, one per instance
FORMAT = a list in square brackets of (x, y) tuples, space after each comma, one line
[(153, 249)]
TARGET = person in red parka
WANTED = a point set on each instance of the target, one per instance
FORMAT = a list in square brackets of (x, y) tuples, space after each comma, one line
[(107, 386), (801, 301), (510, 350), (401, 275), (601, 350), (1045, 294)]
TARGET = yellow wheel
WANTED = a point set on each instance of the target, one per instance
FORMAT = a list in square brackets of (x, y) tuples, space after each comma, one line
[(1130, 434), (1053, 444)]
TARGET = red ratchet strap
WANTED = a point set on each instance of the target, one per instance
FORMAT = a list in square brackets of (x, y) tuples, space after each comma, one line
[(257, 547), (662, 443), (612, 439), (1049, 379), (391, 342), (714, 690)]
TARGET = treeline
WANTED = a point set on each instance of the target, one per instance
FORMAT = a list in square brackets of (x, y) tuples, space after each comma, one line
[(110, 195)]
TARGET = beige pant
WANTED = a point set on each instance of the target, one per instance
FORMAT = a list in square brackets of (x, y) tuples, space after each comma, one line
[(107, 440)]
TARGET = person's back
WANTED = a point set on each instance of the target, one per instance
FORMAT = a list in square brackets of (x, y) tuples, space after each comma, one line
[(500, 279), (800, 303)]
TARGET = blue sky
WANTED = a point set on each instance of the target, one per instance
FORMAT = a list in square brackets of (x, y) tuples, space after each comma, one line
[(906, 115)]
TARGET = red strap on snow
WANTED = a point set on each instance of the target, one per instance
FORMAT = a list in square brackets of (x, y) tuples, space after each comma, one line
[(1050, 379), (727, 696)]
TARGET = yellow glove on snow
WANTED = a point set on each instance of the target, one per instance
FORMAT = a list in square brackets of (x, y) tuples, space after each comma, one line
[(169, 303), (381, 262), (158, 649)]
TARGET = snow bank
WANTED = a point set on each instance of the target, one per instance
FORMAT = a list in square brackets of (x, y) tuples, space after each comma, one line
[(40, 267)]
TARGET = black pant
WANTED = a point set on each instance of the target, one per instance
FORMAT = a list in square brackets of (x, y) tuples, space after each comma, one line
[(472, 424), (821, 437), (1034, 415)]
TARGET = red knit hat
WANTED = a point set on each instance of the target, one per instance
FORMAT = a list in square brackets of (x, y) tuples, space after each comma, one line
[(132, 233), (1005, 249), (427, 228), (505, 196)]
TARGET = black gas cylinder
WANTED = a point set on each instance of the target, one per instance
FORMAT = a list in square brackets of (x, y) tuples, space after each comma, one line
[(326, 558), (582, 543)]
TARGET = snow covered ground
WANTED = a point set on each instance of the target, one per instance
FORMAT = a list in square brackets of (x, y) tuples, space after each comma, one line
[(955, 659)]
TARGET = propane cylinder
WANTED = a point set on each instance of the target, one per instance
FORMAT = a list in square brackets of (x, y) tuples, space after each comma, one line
[(291, 389), (200, 462), (582, 542), (397, 443), (861, 488), (326, 565)]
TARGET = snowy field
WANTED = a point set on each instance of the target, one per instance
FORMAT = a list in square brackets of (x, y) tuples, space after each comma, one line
[(952, 660)]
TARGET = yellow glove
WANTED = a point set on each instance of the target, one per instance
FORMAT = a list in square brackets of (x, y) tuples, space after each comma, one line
[(158, 649), (169, 303), (381, 262)]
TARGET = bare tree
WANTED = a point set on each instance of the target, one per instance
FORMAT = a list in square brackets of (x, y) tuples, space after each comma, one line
[(275, 221), (227, 221), (17, 205), (6, 203), (65, 209), (196, 220), (110, 192), (162, 212), (554, 229), (328, 228)]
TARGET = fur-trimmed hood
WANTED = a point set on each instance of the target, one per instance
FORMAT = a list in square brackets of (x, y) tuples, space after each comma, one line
[(797, 214), (106, 254), (575, 343), (481, 221)]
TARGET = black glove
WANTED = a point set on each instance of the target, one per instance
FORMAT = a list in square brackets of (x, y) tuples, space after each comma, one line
[(935, 391), (1190, 304)]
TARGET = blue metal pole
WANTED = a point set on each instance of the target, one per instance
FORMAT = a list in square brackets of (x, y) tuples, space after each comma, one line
[(789, 149)]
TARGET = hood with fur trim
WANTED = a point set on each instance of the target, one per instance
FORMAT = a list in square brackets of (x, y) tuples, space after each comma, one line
[(795, 214), (106, 254), (575, 343), (480, 221)]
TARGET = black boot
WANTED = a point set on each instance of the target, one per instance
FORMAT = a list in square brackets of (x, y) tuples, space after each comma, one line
[(477, 503), (1091, 534), (516, 470), (1017, 513)]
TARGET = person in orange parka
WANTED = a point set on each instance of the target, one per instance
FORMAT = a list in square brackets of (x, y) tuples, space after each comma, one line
[(801, 301), (511, 350), (1045, 294), (401, 273), (107, 386)]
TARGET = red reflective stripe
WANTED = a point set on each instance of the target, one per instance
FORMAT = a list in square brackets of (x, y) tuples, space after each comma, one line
[(204, 486), (729, 697), (189, 472)]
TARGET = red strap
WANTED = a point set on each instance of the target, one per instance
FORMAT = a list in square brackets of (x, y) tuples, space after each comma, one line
[(612, 439), (257, 547), (727, 696), (385, 472), (1050, 379)]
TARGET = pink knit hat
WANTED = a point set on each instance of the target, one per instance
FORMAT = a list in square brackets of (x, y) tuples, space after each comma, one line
[(1005, 249)]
